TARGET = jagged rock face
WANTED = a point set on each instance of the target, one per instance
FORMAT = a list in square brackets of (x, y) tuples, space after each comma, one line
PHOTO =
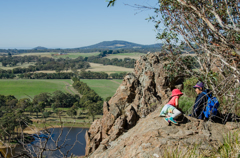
[(138, 95), (131, 127)]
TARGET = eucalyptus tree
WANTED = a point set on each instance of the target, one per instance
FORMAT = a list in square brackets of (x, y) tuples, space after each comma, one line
[(208, 30)]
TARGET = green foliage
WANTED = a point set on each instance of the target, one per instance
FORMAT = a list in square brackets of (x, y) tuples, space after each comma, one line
[(118, 75), (90, 99), (177, 66), (75, 79), (41, 75), (231, 145), (46, 114), (93, 108), (81, 87), (23, 103), (42, 97), (44, 63), (72, 112), (186, 103), (6, 74), (188, 87), (92, 75), (108, 98), (12, 116)]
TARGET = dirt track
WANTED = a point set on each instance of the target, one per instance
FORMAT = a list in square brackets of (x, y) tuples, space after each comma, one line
[(70, 89), (115, 82)]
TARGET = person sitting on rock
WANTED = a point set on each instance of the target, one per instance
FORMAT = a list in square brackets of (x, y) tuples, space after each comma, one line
[(170, 110), (200, 101)]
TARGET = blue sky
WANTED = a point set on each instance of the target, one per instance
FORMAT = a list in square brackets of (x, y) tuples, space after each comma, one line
[(72, 23)]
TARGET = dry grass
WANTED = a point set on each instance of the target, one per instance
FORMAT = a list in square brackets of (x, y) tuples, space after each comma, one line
[(108, 68), (48, 54), (125, 55), (75, 55), (98, 68), (94, 66)]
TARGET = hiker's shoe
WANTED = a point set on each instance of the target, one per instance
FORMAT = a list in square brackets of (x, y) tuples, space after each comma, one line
[(162, 115), (167, 120), (172, 120)]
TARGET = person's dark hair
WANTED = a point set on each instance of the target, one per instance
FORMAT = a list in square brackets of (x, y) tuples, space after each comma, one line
[(170, 98)]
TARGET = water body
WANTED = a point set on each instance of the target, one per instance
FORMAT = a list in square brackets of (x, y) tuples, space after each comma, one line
[(67, 139)]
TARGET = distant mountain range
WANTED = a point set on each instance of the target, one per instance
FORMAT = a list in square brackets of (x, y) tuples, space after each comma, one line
[(40, 48), (120, 44), (116, 44)]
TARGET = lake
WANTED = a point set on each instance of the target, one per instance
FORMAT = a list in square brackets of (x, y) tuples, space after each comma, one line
[(65, 143)]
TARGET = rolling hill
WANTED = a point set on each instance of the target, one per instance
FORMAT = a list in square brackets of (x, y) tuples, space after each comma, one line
[(116, 44)]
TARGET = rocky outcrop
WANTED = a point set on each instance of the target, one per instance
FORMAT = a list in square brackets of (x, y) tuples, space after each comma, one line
[(151, 137), (138, 95), (130, 126)]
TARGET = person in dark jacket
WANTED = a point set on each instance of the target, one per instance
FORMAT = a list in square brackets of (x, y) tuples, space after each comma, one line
[(200, 102)]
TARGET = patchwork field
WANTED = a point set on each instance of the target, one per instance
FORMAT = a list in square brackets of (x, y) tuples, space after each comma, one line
[(75, 55), (24, 88), (125, 55), (103, 87), (108, 68), (98, 68)]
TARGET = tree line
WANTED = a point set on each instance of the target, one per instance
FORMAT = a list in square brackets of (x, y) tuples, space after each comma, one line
[(8, 74), (43, 63), (60, 64), (76, 50), (118, 75), (62, 75), (90, 99)]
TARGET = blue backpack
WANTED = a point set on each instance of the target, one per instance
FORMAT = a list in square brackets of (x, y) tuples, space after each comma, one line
[(212, 105)]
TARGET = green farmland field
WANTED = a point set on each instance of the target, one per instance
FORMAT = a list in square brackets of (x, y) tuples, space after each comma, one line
[(103, 87), (22, 88)]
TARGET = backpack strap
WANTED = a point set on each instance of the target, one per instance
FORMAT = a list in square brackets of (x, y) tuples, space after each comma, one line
[(206, 95)]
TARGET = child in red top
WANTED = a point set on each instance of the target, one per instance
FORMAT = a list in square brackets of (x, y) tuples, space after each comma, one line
[(171, 108)]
